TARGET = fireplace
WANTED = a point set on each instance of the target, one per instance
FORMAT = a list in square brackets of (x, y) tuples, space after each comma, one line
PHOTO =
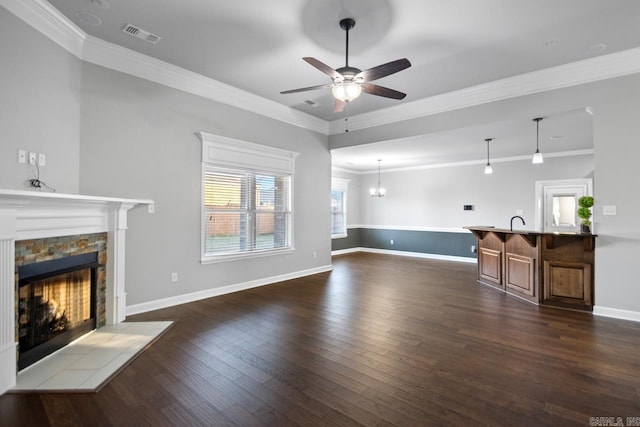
[(56, 304), (33, 226)]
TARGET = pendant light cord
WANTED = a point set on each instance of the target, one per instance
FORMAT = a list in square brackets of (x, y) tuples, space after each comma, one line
[(537, 120), (488, 140)]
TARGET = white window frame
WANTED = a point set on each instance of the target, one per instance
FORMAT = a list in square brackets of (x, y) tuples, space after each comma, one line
[(341, 185), (219, 152)]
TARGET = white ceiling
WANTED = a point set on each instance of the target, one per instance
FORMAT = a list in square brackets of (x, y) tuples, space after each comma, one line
[(258, 46)]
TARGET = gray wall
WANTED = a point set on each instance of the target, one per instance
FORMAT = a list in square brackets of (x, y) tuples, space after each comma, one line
[(616, 129), (139, 141), (107, 133), (616, 103), (39, 107), (434, 198)]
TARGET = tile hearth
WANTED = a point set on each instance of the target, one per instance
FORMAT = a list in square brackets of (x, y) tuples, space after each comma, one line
[(26, 215), (86, 364)]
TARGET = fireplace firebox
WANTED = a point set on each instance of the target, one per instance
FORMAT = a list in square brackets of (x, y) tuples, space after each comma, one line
[(56, 304)]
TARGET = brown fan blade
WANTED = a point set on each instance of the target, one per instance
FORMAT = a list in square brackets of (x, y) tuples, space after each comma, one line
[(383, 70), (338, 106), (304, 89), (324, 68), (382, 91)]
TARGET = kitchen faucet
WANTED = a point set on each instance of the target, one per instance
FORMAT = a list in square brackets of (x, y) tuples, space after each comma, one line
[(514, 217)]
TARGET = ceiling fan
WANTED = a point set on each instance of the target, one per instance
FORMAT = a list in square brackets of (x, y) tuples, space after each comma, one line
[(349, 82)]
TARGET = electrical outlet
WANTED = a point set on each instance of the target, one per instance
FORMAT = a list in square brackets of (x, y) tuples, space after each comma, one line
[(42, 159), (151, 208), (391, 241), (32, 158), (22, 156), (174, 277), (315, 254), (473, 249)]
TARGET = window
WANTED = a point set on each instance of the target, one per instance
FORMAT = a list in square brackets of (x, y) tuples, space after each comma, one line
[(339, 207), (246, 199), (245, 211)]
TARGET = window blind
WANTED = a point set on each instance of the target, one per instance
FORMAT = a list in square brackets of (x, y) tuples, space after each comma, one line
[(245, 211)]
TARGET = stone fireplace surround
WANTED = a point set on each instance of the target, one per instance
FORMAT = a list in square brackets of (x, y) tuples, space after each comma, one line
[(36, 251), (26, 215)]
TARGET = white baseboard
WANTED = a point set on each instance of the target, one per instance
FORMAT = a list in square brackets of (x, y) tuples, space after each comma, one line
[(214, 292), (346, 251), (408, 254), (616, 313)]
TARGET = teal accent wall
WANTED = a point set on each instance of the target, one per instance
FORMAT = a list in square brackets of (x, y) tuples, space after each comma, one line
[(428, 242)]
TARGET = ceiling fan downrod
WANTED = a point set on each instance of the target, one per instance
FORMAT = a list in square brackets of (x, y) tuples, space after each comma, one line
[(347, 24)]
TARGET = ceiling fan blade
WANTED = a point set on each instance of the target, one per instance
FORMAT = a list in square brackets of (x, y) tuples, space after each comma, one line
[(338, 106), (383, 70), (382, 91), (324, 68), (304, 89)]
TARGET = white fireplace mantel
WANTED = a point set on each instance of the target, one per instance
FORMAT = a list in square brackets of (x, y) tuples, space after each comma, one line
[(32, 215)]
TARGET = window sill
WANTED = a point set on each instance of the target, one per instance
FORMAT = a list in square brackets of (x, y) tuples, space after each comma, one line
[(213, 259), (339, 236)]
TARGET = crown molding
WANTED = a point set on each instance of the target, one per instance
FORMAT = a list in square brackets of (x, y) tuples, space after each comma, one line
[(576, 73), (112, 56), (573, 153), (57, 27)]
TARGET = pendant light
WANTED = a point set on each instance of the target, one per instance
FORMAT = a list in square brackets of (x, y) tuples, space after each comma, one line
[(537, 156), (488, 169), (379, 191)]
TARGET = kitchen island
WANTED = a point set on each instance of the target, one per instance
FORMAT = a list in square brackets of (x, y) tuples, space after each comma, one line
[(554, 269)]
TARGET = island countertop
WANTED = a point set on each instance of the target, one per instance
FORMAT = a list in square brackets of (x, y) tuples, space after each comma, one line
[(549, 268), (490, 228)]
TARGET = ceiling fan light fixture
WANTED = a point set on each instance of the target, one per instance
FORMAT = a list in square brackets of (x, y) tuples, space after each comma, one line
[(347, 83), (346, 91)]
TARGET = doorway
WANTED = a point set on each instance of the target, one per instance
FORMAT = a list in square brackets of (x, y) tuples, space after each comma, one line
[(557, 204)]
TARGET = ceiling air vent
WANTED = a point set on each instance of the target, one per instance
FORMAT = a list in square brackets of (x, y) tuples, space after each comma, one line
[(141, 34), (311, 102)]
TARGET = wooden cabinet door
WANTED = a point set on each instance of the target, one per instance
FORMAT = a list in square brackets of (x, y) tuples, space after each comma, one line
[(490, 267), (520, 274), (568, 283)]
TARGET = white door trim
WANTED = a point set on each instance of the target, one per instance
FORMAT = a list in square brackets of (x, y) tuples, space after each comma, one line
[(541, 186)]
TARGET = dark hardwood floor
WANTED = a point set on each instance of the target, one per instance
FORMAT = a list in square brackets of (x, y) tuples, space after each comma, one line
[(381, 340)]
